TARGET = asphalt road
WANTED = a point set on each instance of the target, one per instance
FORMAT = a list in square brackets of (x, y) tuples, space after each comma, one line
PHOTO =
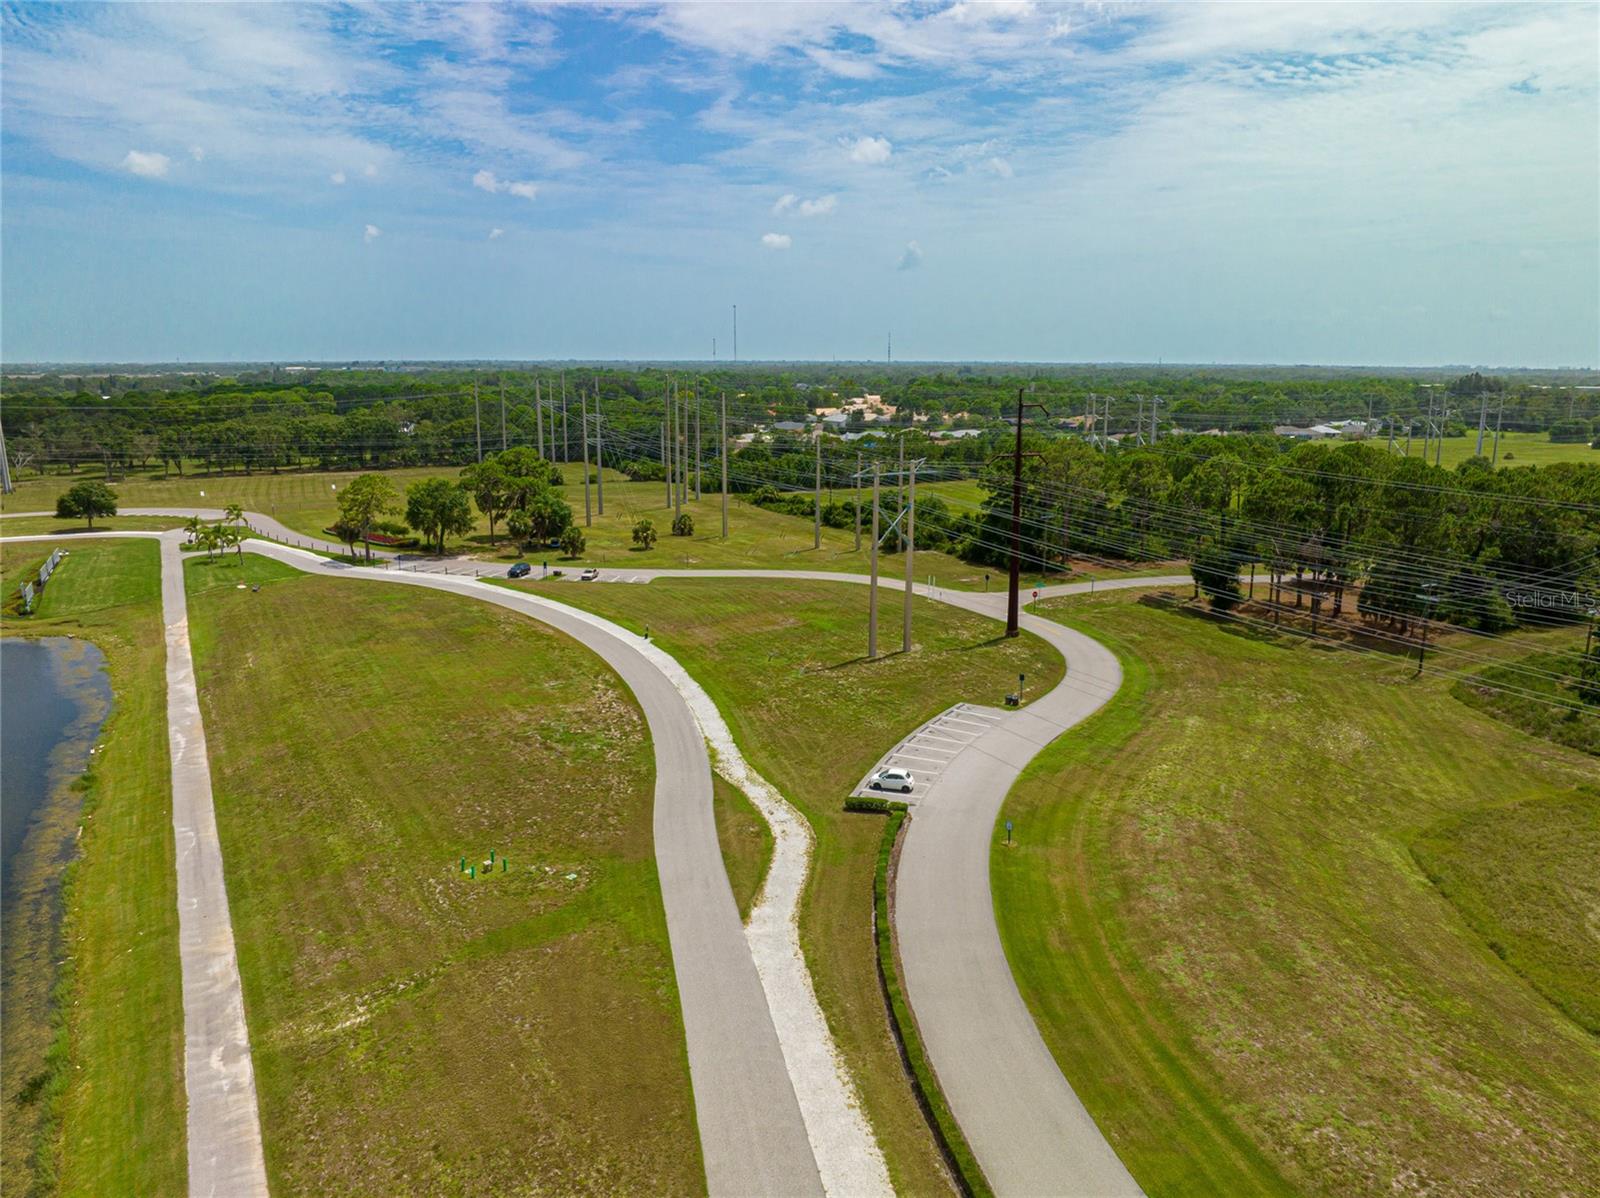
[(1027, 1128), (1029, 1131), (752, 1135)]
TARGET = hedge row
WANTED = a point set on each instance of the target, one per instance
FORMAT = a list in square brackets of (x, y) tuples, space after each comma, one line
[(952, 1144)]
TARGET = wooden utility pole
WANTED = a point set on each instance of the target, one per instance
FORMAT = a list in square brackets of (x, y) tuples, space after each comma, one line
[(599, 454), (1013, 601), (502, 413), (724, 465), (858, 501), (872, 556), (910, 523), (477, 418), (697, 443), (816, 499), (583, 419), (666, 474), (538, 416)]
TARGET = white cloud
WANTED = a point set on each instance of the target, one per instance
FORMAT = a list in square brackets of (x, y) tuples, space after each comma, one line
[(147, 165), (496, 234), (776, 241), (198, 153), (370, 170), (372, 234), (337, 178), (785, 202), (821, 206), (486, 180), (911, 258), (870, 151), (1000, 167)]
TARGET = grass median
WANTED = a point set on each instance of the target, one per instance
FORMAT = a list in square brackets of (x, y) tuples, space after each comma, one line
[(784, 663), (415, 1028), (1212, 908), (94, 1100)]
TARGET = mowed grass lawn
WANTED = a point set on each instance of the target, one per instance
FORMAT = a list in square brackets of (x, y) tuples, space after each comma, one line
[(1214, 911), (308, 503), (110, 1105), (415, 1030), (784, 663)]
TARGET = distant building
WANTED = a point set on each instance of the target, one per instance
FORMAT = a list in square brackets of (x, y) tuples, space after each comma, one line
[(955, 434)]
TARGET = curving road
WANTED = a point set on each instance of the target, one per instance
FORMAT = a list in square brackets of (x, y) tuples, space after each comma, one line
[(752, 1135), (1025, 1124), (1029, 1131)]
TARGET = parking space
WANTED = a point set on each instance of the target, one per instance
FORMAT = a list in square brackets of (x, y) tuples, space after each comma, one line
[(931, 747)]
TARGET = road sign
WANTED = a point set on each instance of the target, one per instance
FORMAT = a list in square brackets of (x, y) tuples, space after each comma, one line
[(1008, 831), (1036, 594)]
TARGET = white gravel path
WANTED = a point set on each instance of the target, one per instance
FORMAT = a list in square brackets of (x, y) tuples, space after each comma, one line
[(847, 1153)]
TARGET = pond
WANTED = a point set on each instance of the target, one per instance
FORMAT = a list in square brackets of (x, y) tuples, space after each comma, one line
[(54, 695)]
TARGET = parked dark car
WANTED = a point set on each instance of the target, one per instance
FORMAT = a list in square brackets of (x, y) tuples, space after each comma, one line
[(520, 570)]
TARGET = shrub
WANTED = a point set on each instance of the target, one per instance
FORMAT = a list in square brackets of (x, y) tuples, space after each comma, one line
[(573, 542), (683, 525), (1216, 572), (644, 534)]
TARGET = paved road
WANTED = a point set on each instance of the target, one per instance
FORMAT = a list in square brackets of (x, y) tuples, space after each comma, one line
[(752, 1136), (1029, 1131), (751, 1132), (223, 1127)]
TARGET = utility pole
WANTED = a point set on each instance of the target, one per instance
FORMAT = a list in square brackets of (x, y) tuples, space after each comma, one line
[(872, 589), (566, 441), (1427, 428), (538, 416), (816, 499), (1013, 603), (911, 551), (599, 453), (724, 465), (6, 485), (1139, 436), (697, 443), (1483, 420), (1155, 429), (1438, 433), (502, 413), (583, 417), (899, 495), (665, 473), (1499, 412), (858, 501), (677, 452), (477, 418)]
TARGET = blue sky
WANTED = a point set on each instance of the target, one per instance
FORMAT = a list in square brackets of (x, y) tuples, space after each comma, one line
[(1375, 184)]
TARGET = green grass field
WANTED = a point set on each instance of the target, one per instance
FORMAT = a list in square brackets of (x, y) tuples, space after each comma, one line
[(110, 1105), (746, 842), (413, 1029), (1214, 913), (1516, 449), (783, 661)]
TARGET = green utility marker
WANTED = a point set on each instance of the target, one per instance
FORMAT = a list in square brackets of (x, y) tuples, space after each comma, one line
[(472, 871), (491, 856), (463, 865), (504, 865)]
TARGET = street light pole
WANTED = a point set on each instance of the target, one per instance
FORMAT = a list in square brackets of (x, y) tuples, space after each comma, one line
[(872, 589)]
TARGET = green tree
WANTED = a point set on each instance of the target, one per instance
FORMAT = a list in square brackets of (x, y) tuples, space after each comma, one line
[(1215, 567), (364, 501), (87, 499), (486, 483), (544, 519), (644, 534), (438, 508), (683, 525), (233, 514), (348, 532), (573, 542)]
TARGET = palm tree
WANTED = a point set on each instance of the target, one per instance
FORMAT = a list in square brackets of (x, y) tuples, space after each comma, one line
[(233, 513), (193, 526)]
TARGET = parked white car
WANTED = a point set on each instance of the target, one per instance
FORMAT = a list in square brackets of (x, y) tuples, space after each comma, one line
[(589, 575), (893, 779)]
